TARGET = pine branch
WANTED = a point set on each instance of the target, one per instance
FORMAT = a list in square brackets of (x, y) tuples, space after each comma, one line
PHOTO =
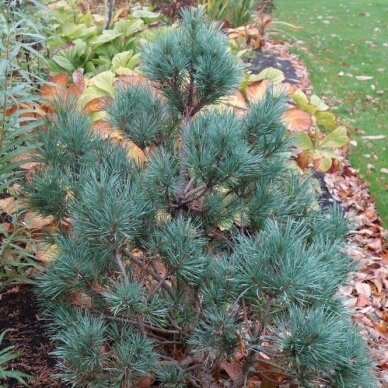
[(151, 272), (121, 265), (137, 324)]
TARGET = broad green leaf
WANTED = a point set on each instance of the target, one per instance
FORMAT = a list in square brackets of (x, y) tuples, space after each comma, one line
[(89, 68), (302, 140), (147, 15), (72, 31), (317, 102), (326, 120), (104, 81), (106, 36), (134, 61), (63, 62), (122, 60), (336, 138), (129, 27), (80, 46)]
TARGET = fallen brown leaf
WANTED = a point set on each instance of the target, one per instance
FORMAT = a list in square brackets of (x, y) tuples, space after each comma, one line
[(33, 220)]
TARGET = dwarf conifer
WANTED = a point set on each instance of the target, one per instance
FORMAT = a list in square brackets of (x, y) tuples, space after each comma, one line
[(214, 250)]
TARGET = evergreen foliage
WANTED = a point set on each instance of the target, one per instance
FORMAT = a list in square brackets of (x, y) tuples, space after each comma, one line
[(214, 246)]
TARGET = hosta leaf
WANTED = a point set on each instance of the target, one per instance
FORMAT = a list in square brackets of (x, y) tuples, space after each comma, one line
[(302, 140), (336, 138)]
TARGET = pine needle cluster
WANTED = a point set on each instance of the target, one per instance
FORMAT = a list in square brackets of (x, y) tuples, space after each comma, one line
[(213, 250)]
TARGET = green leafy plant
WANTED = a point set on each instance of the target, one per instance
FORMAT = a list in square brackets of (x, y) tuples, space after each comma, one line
[(6, 355), (78, 40), (21, 39), (235, 12), (321, 142), (212, 252), (16, 257)]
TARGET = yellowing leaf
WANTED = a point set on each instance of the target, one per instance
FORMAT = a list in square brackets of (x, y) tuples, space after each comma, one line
[(121, 60), (123, 71), (326, 119), (101, 115), (302, 102), (90, 93), (236, 101), (94, 105), (336, 138), (296, 119), (135, 152), (104, 81), (317, 102), (300, 98), (45, 252), (257, 90), (225, 224), (302, 140), (56, 83), (322, 164), (270, 73), (303, 159), (35, 221), (103, 128)]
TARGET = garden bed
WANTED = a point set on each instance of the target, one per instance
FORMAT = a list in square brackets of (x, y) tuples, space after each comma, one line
[(27, 332), (366, 295)]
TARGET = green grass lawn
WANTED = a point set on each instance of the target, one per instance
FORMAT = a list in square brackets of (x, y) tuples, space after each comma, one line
[(341, 40)]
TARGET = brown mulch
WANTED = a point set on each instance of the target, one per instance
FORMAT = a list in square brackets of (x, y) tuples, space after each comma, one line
[(281, 50), (28, 334), (367, 292)]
